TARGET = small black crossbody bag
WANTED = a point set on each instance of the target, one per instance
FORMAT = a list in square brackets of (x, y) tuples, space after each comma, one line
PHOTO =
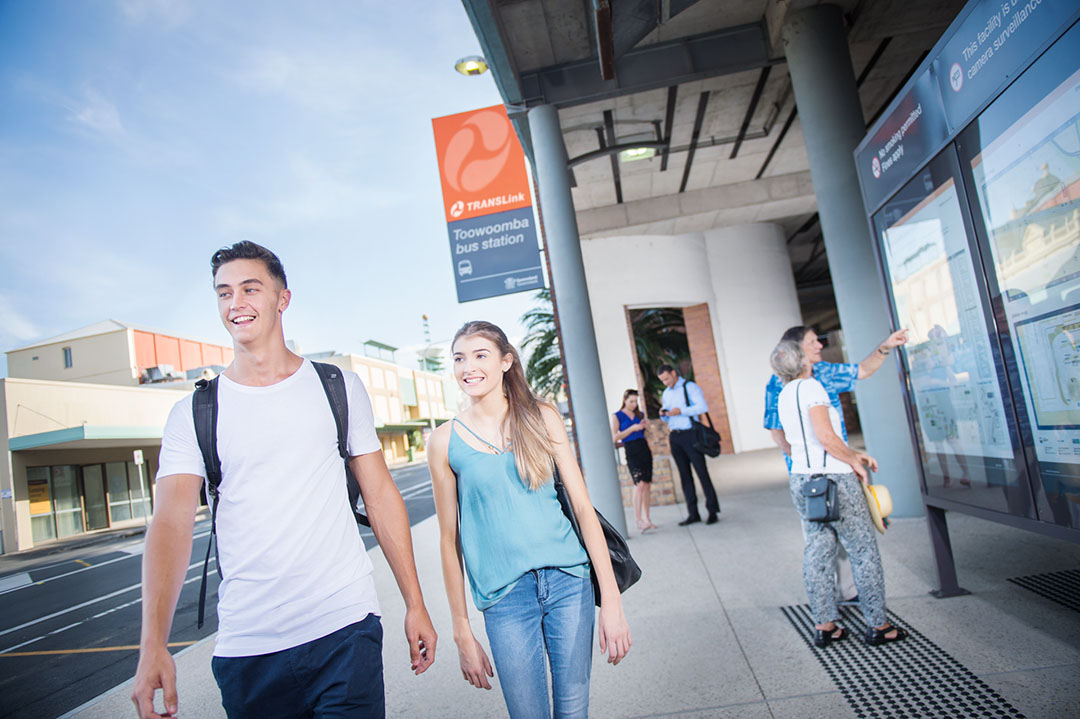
[(822, 500)]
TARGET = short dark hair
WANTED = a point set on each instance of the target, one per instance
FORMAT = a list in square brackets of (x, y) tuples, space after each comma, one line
[(664, 368), (248, 250), (795, 334)]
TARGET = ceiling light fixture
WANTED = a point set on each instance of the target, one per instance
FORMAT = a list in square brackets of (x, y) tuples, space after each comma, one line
[(471, 65), (637, 153)]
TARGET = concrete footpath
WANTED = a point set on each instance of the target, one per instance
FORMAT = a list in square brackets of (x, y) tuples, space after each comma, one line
[(712, 637)]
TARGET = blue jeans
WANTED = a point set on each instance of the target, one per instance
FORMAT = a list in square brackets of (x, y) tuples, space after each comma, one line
[(547, 609), (338, 676)]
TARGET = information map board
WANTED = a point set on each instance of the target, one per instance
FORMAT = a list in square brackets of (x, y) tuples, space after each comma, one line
[(977, 220)]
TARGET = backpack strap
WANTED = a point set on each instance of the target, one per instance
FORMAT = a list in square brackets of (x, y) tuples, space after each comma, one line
[(333, 382), (686, 395), (204, 411)]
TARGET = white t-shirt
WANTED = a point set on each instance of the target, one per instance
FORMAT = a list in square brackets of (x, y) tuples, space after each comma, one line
[(293, 562), (810, 393)]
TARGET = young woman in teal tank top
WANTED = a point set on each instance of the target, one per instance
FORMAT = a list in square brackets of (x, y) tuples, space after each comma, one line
[(491, 470)]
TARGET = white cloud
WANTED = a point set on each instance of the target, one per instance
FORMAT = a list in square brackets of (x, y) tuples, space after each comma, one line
[(315, 194), (343, 78), (169, 12), (94, 113), (16, 325), (90, 113)]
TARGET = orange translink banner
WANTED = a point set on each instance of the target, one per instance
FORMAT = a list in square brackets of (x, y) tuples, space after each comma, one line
[(489, 217), (481, 164)]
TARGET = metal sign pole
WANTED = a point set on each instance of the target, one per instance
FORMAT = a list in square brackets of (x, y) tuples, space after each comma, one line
[(142, 486)]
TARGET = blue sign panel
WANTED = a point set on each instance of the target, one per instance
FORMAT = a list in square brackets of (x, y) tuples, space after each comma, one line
[(495, 254), (907, 137), (990, 47)]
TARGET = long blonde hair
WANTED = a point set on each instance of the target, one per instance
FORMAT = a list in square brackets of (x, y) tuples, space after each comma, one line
[(533, 450)]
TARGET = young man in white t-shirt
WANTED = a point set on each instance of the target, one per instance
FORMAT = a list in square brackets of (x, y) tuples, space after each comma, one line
[(298, 620)]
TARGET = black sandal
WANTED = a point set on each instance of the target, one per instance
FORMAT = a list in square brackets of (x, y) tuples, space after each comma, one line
[(875, 636), (822, 637)]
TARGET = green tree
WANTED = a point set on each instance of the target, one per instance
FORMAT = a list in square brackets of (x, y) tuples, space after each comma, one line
[(543, 369), (659, 338)]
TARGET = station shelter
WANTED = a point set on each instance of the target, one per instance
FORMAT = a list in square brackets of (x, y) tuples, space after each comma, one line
[(699, 154)]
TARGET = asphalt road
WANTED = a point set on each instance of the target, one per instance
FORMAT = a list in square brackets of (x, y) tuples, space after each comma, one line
[(69, 623)]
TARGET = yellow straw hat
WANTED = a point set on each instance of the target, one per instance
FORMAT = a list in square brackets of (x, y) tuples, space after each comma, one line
[(879, 501)]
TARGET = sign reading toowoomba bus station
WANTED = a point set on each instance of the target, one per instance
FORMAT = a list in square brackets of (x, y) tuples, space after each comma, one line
[(489, 215)]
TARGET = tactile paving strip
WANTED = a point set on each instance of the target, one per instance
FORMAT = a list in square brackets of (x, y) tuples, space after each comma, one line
[(1060, 587), (911, 678)]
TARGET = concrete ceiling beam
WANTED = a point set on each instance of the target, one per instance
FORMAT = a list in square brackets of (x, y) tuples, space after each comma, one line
[(697, 57), (786, 195)]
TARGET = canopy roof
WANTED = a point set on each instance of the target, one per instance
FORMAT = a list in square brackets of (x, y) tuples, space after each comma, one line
[(704, 83)]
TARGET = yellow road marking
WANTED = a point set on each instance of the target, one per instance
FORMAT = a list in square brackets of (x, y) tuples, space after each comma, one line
[(83, 562), (125, 648)]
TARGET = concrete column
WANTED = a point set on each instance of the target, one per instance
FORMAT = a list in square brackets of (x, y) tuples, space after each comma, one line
[(816, 46), (754, 287), (575, 315)]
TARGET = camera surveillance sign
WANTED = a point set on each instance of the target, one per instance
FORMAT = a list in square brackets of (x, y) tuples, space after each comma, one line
[(489, 215)]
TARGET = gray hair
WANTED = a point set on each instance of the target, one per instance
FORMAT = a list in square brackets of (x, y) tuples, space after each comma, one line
[(787, 360)]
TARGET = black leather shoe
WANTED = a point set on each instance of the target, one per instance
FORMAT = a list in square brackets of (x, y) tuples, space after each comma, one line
[(712, 519), (690, 520)]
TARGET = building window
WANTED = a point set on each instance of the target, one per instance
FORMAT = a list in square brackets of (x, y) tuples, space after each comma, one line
[(129, 494), (42, 519), (67, 358)]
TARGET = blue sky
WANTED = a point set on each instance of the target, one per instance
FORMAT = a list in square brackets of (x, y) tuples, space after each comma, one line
[(137, 137)]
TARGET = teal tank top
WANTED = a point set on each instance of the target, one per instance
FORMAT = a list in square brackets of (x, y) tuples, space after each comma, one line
[(507, 529)]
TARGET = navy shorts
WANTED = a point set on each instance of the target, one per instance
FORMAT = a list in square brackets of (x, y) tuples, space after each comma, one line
[(338, 676)]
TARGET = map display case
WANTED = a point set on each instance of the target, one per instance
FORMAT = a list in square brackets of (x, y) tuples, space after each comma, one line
[(971, 182), (968, 438), (1021, 161)]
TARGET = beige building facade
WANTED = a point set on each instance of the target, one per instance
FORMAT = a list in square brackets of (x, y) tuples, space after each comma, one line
[(79, 411)]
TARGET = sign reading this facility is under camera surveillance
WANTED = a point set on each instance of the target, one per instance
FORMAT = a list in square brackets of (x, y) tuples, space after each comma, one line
[(493, 246)]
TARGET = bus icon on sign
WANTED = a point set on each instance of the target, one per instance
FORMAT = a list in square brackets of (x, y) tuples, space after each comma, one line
[(464, 268)]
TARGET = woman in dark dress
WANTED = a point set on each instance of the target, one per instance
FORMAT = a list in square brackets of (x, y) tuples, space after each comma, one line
[(628, 429)]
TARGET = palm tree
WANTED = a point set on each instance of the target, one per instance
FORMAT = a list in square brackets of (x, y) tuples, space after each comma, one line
[(544, 368), (659, 338)]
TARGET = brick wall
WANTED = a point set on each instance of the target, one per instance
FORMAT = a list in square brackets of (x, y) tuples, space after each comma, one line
[(699, 336), (663, 484)]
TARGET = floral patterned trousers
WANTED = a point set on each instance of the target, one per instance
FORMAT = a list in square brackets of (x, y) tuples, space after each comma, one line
[(855, 532)]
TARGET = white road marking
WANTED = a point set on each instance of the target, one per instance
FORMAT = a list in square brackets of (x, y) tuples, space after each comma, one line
[(84, 621), (14, 581), (87, 603), (411, 492), (129, 555), (416, 490)]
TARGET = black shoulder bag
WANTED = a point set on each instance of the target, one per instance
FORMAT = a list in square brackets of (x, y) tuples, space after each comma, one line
[(204, 404), (706, 438), (822, 502), (627, 571)]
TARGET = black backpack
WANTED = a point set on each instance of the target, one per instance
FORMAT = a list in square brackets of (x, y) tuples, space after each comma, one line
[(204, 409)]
